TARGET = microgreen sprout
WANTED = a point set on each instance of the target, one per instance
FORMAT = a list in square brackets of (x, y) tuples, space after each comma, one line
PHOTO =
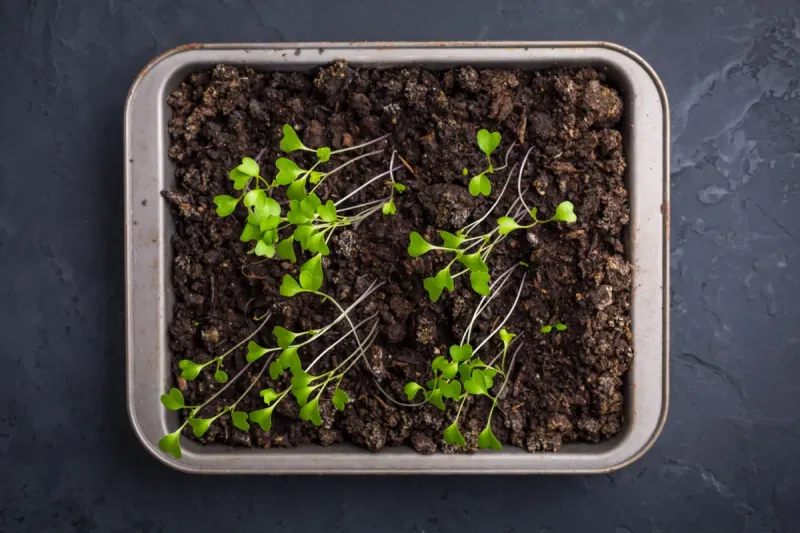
[(464, 374), (389, 208), (472, 251), (558, 327), (487, 142), (303, 384)]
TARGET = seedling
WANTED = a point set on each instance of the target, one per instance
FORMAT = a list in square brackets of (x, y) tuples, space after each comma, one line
[(558, 327), (289, 344), (307, 221), (463, 374), (488, 143), (473, 251)]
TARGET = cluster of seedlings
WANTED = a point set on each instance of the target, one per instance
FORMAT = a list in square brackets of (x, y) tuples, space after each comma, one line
[(306, 220)]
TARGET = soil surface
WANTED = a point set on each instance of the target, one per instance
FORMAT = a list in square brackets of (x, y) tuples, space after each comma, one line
[(564, 386)]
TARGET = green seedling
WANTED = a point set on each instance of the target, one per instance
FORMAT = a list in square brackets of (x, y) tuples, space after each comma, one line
[(303, 383), (464, 374), (557, 327), (389, 208), (472, 252), (488, 143)]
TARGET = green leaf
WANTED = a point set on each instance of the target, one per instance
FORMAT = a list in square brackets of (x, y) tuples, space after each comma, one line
[(225, 204), (271, 207), (561, 327), (173, 400), (268, 395), (254, 352), (486, 439), (507, 225), (250, 233), (327, 212), (453, 436), (477, 382), (256, 198), (418, 246), (285, 249), (315, 176), (433, 287), (289, 359), (506, 336), (455, 390), (200, 425), (220, 376), (269, 223), (546, 329), (240, 179), (533, 212), (488, 377), (309, 204), (399, 187), (296, 216), (435, 398), (437, 363), (310, 412), (474, 262), (263, 249), (301, 393), (290, 141), (314, 267), (450, 240), (288, 171), (283, 336), (480, 282), (275, 370), (301, 378), (480, 184), (263, 417), (487, 142), (240, 420), (189, 369), (411, 389), (297, 190), (449, 369), (444, 279), (317, 244), (565, 213), (389, 208), (302, 234), (289, 286), (248, 167), (464, 171), (461, 353), (464, 370), (340, 399), (171, 444), (324, 154)]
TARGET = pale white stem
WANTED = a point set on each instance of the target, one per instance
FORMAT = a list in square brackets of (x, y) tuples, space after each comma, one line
[(501, 280), (379, 176), (341, 339), (519, 179), (508, 315), (362, 145), (505, 164)]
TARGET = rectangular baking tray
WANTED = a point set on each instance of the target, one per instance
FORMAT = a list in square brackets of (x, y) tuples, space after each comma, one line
[(148, 229)]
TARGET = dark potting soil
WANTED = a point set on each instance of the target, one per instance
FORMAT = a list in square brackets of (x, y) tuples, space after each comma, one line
[(565, 386)]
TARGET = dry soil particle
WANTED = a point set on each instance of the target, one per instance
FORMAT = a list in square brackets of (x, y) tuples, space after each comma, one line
[(565, 386)]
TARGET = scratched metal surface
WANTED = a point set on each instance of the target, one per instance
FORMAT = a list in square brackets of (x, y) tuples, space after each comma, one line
[(727, 459)]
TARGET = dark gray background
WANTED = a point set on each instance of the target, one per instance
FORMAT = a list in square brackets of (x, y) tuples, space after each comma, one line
[(728, 458)]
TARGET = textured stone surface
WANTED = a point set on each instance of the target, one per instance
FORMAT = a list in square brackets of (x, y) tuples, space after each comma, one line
[(727, 460)]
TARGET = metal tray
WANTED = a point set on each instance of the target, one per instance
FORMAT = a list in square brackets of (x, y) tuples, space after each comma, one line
[(148, 228)]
